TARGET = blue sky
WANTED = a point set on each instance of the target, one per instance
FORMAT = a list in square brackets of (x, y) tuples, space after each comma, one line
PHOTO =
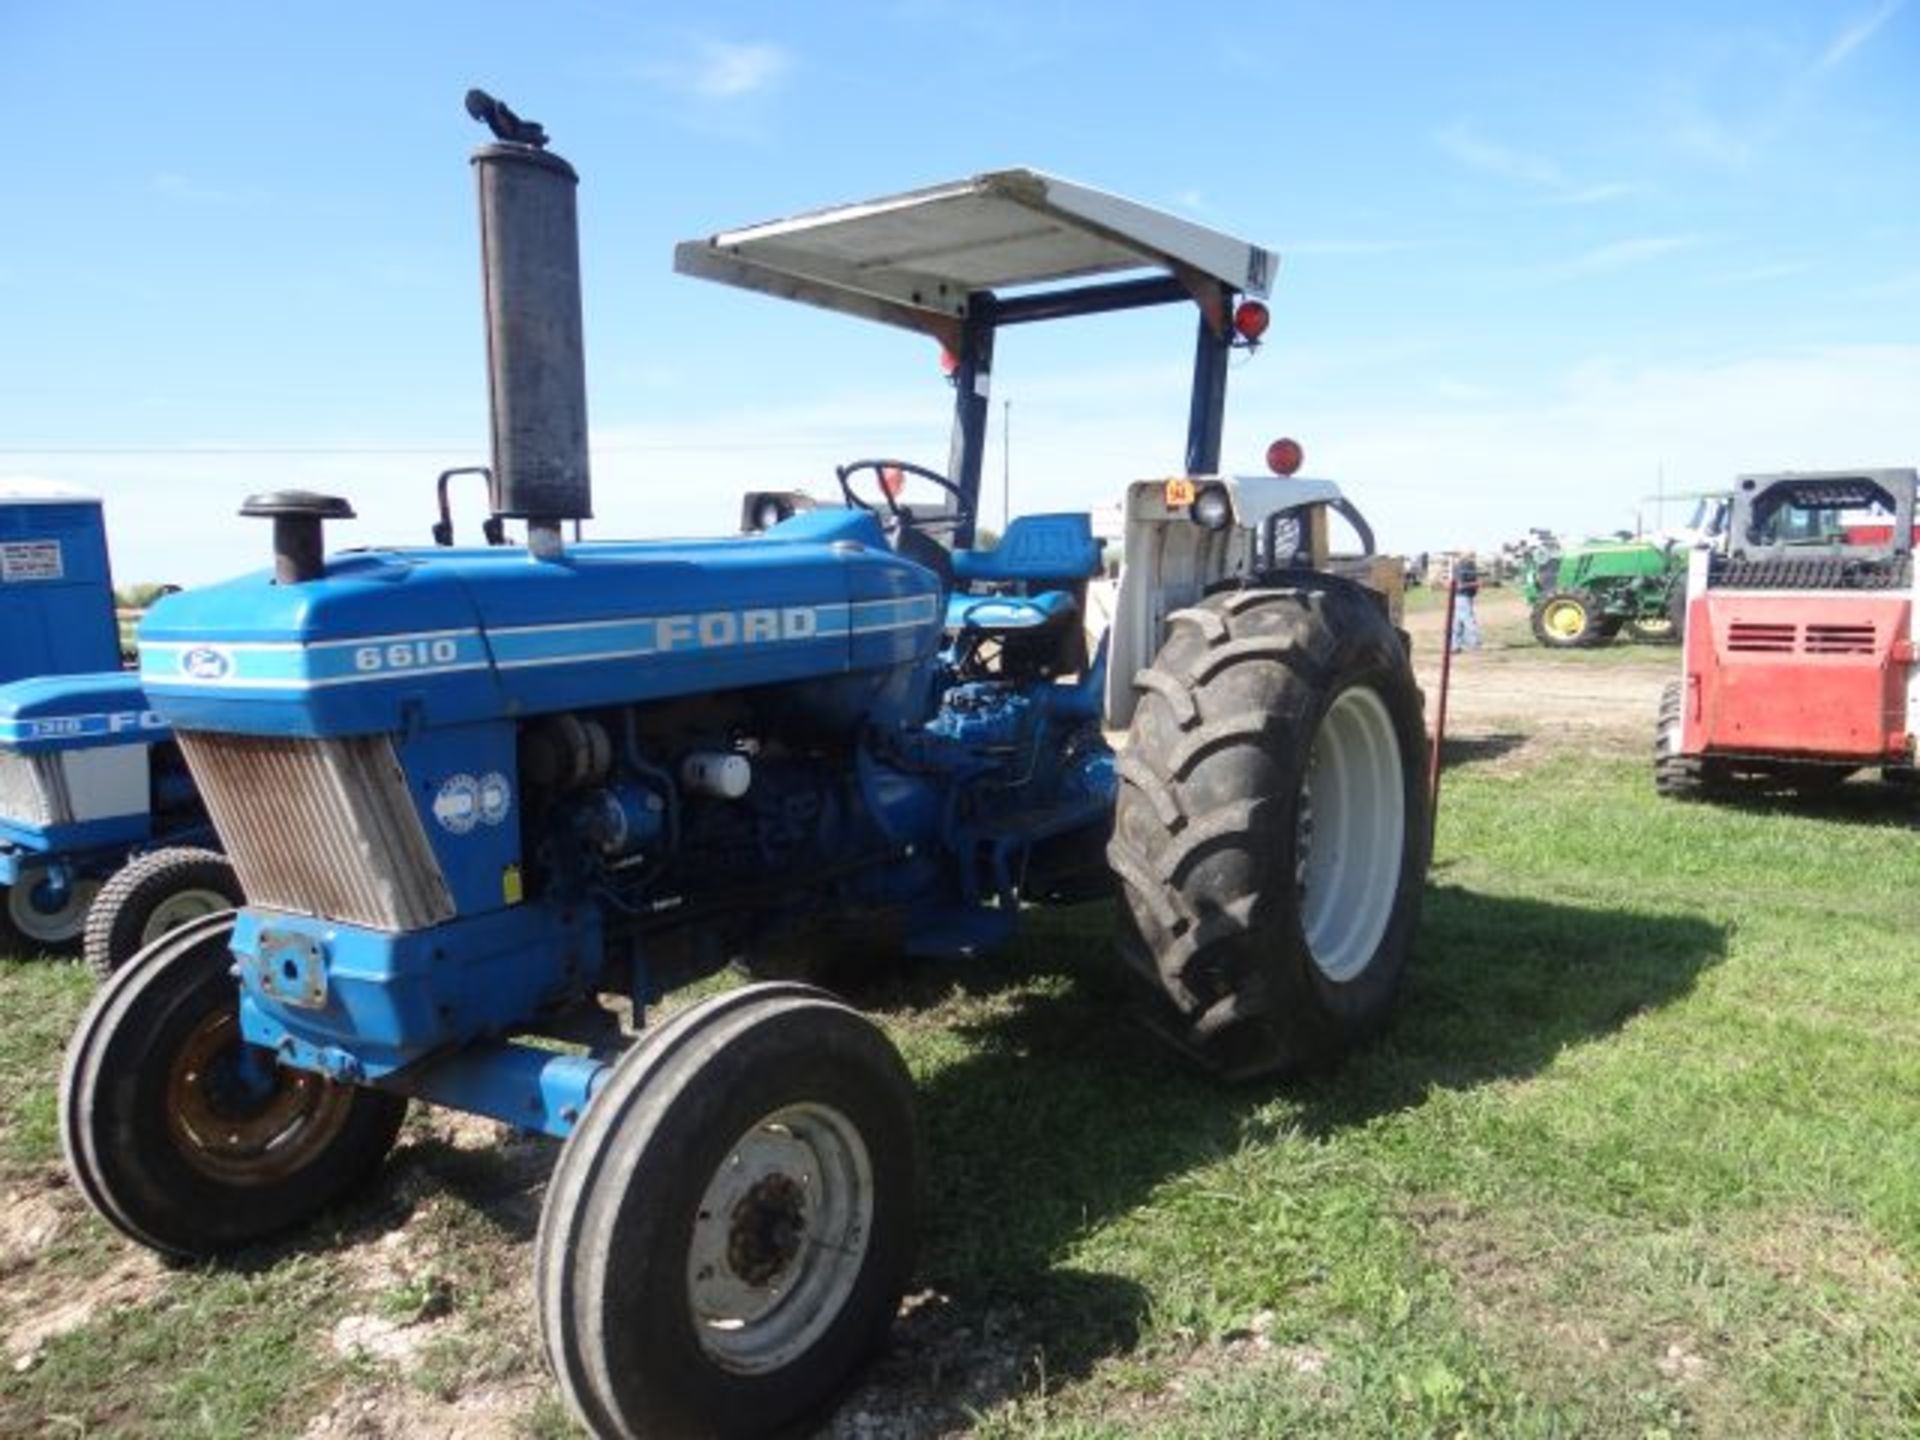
[(1533, 257)]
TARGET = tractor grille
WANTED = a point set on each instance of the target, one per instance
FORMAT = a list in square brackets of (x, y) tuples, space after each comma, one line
[(321, 827), (33, 789)]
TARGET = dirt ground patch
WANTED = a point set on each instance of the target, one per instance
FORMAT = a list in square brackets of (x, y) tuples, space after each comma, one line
[(1512, 702)]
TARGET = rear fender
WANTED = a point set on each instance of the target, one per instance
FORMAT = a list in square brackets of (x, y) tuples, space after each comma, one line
[(1170, 561)]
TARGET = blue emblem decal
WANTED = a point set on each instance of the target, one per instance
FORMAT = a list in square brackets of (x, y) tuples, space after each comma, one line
[(457, 806), (496, 797)]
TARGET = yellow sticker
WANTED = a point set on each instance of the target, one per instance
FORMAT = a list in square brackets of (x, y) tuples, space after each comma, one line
[(510, 884), (1179, 493)]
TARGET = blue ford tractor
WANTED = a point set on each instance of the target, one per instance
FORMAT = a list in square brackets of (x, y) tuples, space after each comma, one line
[(91, 788), (474, 793)]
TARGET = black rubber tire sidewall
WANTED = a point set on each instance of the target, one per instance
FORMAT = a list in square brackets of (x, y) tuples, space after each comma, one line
[(118, 919), (1283, 1013), (115, 1126), (676, 1134)]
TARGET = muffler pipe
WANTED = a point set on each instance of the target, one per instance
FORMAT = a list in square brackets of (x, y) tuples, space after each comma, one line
[(536, 365)]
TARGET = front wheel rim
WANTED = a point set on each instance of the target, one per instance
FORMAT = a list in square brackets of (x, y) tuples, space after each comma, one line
[(49, 927), (1355, 839), (180, 907), (238, 1118), (779, 1238)]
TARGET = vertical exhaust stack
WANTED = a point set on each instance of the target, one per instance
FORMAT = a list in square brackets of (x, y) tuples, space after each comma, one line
[(536, 367)]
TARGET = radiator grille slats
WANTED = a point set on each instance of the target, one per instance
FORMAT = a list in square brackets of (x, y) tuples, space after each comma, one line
[(33, 789), (321, 827)]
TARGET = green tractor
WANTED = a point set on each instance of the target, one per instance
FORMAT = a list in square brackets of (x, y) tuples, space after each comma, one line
[(1587, 594)]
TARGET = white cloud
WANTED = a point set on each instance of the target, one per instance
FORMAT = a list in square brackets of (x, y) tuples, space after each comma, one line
[(1448, 459), (1593, 194), (1349, 247), (1477, 153), (723, 71), (1856, 33), (1619, 255), (1538, 172), (175, 186), (1759, 274), (1579, 457)]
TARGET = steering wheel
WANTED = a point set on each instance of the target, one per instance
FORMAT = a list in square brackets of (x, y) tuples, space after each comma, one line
[(902, 517)]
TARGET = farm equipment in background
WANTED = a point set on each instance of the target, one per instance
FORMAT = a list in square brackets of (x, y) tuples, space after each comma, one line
[(1584, 595), (472, 791), (89, 777), (1799, 659)]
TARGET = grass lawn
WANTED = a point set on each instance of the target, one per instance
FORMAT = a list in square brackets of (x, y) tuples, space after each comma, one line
[(1641, 1158)]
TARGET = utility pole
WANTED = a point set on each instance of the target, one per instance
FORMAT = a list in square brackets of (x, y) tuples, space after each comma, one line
[(1006, 465)]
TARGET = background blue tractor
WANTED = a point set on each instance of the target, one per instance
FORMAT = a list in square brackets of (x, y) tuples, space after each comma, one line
[(92, 789), (471, 793)]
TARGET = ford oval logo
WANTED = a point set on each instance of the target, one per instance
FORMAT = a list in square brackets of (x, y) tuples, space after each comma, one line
[(203, 662)]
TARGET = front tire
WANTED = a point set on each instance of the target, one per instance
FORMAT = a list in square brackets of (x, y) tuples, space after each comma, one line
[(1653, 630), (730, 1229), (153, 894), (1569, 620), (1271, 834), (187, 1139)]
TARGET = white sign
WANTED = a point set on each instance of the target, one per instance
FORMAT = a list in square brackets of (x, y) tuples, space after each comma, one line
[(30, 560)]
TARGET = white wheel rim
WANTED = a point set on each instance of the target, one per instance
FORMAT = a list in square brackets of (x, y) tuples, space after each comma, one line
[(1352, 834), (180, 907), (779, 1238), (49, 927)]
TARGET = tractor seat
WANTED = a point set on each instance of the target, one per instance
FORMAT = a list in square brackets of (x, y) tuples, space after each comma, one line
[(1010, 612), (1036, 549), (1048, 557)]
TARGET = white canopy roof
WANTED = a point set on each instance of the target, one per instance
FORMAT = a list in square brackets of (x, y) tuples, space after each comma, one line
[(913, 259)]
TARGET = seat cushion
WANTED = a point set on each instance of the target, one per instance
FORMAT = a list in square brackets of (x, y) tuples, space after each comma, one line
[(1010, 612), (1035, 547)]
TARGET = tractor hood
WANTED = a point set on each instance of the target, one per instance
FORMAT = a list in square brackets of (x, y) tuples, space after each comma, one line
[(386, 640), (76, 712)]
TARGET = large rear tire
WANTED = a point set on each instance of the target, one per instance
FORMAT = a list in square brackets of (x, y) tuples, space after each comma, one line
[(189, 1140), (1570, 620), (1271, 834), (730, 1229), (153, 894)]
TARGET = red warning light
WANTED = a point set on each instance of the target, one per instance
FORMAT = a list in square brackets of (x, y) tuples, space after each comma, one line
[(1284, 456), (949, 362), (892, 480), (1250, 321)]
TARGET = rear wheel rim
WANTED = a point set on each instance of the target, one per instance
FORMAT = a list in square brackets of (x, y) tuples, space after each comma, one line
[(1565, 619), (1352, 830), (49, 926), (180, 907), (779, 1238)]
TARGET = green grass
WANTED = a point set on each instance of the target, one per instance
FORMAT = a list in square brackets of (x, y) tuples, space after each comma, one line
[(1640, 1158)]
